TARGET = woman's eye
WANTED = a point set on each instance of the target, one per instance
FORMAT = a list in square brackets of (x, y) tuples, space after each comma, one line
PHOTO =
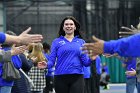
[(71, 24)]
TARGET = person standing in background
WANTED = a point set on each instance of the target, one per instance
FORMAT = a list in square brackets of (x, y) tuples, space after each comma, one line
[(129, 64), (95, 75), (22, 85), (105, 67), (6, 85), (49, 72), (36, 74)]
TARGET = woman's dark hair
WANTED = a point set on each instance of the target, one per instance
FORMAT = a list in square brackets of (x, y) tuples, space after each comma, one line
[(46, 46), (77, 24)]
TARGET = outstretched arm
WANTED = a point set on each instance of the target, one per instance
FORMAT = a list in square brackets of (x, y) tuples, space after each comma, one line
[(24, 38), (127, 47)]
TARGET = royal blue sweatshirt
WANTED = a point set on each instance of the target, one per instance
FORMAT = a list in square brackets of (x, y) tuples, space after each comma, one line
[(67, 56), (2, 37), (50, 71), (127, 47), (87, 72)]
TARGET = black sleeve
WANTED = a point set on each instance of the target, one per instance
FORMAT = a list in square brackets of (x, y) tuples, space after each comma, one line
[(26, 64)]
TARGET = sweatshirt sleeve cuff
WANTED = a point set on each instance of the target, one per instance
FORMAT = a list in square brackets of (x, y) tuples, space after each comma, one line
[(2, 37), (106, 47)]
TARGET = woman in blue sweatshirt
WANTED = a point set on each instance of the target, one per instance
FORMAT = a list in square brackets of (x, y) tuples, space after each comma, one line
[(68, 58)]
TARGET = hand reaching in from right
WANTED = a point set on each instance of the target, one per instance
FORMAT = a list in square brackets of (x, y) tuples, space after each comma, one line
[(95, 48), (125, 31)]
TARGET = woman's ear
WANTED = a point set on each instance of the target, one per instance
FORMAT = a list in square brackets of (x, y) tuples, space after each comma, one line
[(74, 28), (63, 28)]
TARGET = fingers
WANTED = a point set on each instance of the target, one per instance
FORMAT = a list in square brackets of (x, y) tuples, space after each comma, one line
[(93, 57), (27, 31), (133, 69), (14, 45), (95, 39), (18, 50), (42, 65), (126, 33), (133, 28), (88, 46), (36, 38), (126, 28)]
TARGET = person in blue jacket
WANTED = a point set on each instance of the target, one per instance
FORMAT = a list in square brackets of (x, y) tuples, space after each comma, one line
[(6, 85), (105, 67), (131, 81), (126, 47), (68, 58), (98, 74)]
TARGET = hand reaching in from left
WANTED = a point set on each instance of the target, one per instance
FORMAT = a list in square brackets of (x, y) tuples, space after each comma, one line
[(26, 38)]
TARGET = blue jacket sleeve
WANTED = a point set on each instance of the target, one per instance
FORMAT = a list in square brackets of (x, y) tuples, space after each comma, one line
[(2, 37), (26, 63), (86, 61), (52, 56), (16, 61), (127, 47)]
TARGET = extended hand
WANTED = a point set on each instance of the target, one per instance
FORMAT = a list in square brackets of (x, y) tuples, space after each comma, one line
[(42, 65), (131, 73), (18, 50), (26, 38), (95, 48), (125, 31)]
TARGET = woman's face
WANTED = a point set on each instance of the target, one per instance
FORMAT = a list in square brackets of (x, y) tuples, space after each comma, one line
[(69, 26)]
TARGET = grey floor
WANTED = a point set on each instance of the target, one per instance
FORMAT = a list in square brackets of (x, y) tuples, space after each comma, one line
[(115, 88)]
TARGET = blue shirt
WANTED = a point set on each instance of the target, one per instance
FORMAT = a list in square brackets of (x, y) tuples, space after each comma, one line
[(128, 47), (87, 72), (2, 37), (50, 71), (131, 63), (70, 59), (105, 67)]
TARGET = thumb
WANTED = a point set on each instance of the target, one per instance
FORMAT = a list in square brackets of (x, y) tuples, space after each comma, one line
[(133, 28), (27, 31), (95, 39), (133, 69), (14, 45)]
